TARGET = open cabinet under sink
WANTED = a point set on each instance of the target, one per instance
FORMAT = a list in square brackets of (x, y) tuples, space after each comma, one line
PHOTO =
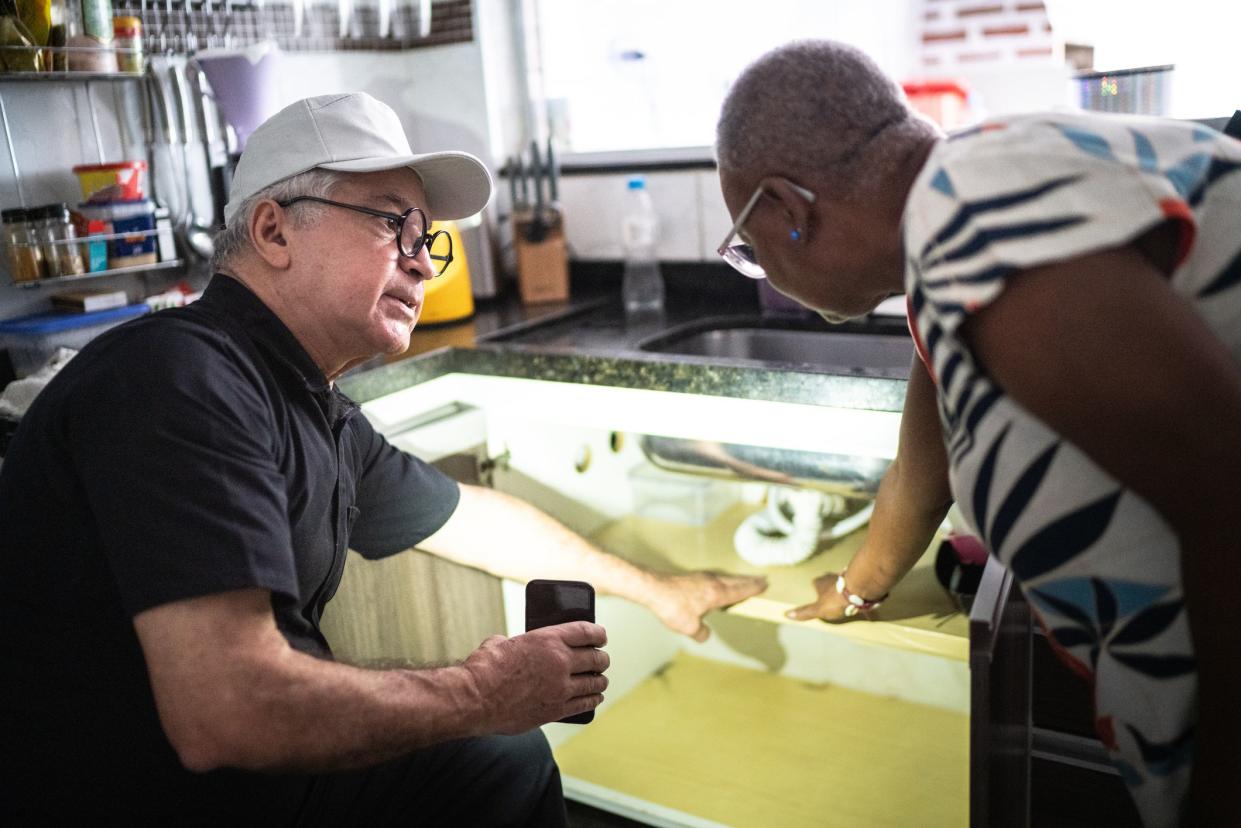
[(769, 722)]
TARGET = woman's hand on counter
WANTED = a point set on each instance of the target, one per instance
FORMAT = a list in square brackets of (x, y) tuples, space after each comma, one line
[(682, 600), (913, 498), (829, 607)]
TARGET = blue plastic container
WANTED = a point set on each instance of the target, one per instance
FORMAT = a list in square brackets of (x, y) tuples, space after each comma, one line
[(31, 340)]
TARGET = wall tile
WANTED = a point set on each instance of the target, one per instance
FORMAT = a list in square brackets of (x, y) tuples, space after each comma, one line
[(594, 207), (715, 219)]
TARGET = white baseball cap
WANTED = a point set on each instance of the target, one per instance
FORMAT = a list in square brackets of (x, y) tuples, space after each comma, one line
[(354, 133)]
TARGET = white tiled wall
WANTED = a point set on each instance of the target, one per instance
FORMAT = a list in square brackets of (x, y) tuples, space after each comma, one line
[(692, 216), (713, 214)]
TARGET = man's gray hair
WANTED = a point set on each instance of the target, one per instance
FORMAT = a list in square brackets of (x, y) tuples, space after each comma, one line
[(818, 111), (235, 238)]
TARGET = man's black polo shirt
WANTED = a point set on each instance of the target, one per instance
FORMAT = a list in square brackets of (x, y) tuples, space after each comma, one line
[(190, 452)]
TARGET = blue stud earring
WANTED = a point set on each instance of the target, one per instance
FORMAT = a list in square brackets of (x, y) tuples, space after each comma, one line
[(795, 235)]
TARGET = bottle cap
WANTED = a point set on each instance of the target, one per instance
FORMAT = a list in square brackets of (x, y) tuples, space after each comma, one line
[(13, 215), (637, 183)]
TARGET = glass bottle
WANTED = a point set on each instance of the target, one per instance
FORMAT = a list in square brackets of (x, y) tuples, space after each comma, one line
[(66, 25), (87, 34), (642, 285), (97, 20)]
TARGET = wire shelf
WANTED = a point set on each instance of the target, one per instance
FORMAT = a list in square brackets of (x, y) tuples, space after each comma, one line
[(99, 274), (70, 63), (84, 242), (65, 77)]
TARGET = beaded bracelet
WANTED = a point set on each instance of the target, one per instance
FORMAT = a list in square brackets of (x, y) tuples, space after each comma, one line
[(856, 602)]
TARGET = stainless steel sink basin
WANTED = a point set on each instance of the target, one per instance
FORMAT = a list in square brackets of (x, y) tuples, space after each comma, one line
[(845, 351)]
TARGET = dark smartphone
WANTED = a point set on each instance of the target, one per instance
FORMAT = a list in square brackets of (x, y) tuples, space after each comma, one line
[(557, 602)]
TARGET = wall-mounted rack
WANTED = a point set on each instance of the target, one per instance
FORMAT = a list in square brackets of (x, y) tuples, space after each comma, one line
[(183, 27), (149, 89), (171, 264)]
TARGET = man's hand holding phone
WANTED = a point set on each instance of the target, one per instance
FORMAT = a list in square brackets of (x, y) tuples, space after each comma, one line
[(554, 603), (552, 673)]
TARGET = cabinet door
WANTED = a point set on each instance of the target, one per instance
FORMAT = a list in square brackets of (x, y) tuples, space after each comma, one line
[(999, 701), (412, 607)]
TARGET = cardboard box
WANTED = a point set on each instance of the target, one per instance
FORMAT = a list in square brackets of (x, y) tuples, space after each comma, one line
[(84, 301)]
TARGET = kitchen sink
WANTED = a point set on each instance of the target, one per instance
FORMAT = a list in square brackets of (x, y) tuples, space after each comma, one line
[(852, 349)]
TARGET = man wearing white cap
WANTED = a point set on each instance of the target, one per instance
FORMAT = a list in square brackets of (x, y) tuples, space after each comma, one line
[(208, 479)]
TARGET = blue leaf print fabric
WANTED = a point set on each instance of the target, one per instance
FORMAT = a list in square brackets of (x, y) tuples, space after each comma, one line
[(1100, 567)]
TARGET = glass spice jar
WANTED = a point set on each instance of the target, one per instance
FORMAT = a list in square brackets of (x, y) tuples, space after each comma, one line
[(62, 255), (21, 246)]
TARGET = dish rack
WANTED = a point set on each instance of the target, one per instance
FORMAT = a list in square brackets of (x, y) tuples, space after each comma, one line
[(182, 27)]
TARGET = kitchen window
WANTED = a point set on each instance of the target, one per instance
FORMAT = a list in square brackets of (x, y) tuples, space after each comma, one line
[(646, 77), (622, 75)]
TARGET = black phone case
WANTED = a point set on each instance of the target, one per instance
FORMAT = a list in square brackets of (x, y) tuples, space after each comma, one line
[(558, 602)]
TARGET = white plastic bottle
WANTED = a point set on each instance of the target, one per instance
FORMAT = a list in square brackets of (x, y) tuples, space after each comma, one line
[(642, 287)]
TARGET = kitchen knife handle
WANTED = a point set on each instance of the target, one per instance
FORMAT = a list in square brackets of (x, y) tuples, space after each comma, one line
[(523, 195), (510, 167), (536, 169), (553, 186)]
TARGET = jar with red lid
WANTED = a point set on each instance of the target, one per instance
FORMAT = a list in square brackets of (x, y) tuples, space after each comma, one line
[(127, 41)]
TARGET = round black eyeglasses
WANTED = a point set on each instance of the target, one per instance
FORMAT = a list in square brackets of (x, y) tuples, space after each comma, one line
[(409, 227)]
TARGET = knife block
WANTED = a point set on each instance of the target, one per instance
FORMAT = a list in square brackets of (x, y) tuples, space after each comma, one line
[(542, 266)]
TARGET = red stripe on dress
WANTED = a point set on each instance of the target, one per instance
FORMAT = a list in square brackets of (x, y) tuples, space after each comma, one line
[(1066, 658), (912, 321), (1179, 211), (1104, 727)]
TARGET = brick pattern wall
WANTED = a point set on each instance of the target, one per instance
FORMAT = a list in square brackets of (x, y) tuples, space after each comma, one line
[(960, 34)]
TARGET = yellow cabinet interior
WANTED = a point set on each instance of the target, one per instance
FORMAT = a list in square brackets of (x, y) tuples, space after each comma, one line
[(771, 722)]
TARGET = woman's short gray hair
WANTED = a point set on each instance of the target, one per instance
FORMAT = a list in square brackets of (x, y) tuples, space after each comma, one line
[(818, 111), (235, 238)]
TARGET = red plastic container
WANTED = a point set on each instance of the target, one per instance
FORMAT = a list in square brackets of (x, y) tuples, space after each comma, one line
[(119, 181), (946, 102)]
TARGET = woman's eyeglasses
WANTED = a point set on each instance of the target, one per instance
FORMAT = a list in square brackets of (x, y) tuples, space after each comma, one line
[(738, 252)]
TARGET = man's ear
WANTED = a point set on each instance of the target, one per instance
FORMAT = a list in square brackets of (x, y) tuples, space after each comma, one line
[(797, 211), (268, 224)]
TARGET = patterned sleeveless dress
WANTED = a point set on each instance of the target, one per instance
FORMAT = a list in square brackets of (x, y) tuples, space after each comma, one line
[(1100, 567)]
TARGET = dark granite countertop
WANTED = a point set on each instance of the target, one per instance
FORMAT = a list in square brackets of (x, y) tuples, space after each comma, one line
[(590, 340)]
